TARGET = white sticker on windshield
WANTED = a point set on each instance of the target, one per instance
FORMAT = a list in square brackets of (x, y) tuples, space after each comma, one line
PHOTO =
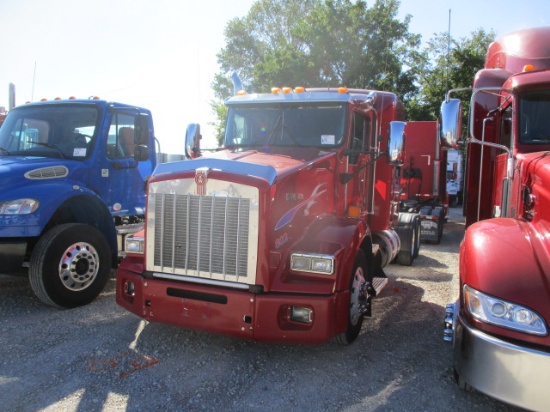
[(79, 152), (327, 139)]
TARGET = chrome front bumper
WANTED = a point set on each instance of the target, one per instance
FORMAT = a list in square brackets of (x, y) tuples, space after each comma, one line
[(513, 374)]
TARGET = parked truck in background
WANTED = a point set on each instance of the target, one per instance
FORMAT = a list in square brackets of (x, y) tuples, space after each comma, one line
[(455, 181), (282, 235), (73, 176), (499, 324), (3, 114), (11, 104), (423, 180)]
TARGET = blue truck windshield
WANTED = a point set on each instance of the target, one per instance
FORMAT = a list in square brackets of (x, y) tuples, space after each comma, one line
[(285, 125), (534, 108), (63, 131)]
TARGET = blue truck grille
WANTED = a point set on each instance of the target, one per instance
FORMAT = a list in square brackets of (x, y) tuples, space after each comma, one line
[(205, 236)]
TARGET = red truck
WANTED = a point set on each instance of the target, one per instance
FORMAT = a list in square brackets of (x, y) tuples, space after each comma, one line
[(283, 235), (423, 179), (499, 324)]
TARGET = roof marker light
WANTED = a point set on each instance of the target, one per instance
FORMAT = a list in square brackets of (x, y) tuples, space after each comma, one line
[(275, 90), (528, 68), (287, 90), (241, 92), (342, 89), (299, 89)]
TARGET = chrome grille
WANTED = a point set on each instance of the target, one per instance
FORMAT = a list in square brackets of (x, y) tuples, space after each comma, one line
[(208, 237)]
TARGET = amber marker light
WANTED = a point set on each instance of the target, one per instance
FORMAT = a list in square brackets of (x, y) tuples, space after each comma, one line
[(275, 90), (299, 89), (354, 211), (342, 90), (287, 90), (528, 68), (241, 92)]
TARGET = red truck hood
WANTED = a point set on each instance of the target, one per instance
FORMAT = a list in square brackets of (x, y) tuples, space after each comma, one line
[(268, 166)]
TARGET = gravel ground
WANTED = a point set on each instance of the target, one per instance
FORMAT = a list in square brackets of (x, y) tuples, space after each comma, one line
[(101, 358)]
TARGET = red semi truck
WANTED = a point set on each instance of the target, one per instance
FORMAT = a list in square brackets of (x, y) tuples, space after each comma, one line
[(499, 324), (423, 179), (283, 235)]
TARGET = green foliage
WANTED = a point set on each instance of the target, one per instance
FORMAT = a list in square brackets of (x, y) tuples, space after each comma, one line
[(446, 64), (322, 43), (316, 43)]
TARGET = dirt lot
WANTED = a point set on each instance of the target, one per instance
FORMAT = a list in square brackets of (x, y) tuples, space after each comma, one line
[(101, 358)]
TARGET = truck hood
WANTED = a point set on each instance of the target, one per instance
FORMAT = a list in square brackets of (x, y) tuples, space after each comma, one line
[(268, 166), (15, 170)]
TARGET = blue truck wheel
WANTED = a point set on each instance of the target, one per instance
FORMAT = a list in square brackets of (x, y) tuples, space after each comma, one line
[(70, 265)]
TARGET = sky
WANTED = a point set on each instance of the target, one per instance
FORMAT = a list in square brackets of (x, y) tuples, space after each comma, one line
[(161, 54)]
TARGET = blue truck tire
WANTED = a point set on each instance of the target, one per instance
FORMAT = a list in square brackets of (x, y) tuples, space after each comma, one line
[(70, 265)]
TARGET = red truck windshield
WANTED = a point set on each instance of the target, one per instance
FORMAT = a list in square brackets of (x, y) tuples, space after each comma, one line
[(534, 122), (289, 125), (65, 131)]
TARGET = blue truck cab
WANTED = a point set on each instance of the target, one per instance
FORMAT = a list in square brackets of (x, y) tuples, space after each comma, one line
[(72, 186)]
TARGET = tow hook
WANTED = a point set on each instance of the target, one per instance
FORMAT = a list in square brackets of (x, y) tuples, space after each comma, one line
[(367, 293), (448, 329)]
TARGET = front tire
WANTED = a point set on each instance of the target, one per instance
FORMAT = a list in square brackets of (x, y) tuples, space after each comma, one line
[(70, 265), (359, 275)]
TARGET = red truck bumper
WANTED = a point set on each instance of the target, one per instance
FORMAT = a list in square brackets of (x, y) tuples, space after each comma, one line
[(239, 313)]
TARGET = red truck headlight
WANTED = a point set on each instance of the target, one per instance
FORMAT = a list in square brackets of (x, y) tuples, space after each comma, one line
[(313, 263), (134, 244), (503, 313)]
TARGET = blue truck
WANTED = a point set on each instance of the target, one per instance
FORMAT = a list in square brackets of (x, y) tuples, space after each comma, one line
[(72, 187)]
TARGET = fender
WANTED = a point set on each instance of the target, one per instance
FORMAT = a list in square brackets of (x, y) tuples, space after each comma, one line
[(506, 258), (70, 203), (51, 196), (347, 233)]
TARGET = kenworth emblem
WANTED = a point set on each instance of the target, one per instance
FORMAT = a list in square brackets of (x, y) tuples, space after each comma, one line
[(201, 177)]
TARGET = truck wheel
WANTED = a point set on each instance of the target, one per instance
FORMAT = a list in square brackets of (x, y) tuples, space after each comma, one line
[(70, 265), (355, 319)]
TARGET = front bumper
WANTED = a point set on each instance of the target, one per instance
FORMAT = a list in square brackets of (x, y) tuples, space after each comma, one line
[(238, 313), (511, 373)]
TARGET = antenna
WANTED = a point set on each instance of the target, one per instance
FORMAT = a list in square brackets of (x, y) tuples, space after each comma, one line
[(448, 50), (33, 79)]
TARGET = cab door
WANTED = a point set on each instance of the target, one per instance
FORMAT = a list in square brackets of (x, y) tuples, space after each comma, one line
[(123, 175)]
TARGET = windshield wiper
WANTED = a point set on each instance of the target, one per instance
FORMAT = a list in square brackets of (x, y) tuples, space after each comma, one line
[(4, 151), (52, 146)]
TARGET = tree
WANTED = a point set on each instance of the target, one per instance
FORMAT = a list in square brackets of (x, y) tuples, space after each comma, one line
[(315, 43), (440, 68)]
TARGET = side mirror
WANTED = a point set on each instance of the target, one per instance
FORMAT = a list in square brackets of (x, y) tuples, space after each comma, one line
[(192, 141), (142, 129), (396, 143), (451, 122), (141, 153)]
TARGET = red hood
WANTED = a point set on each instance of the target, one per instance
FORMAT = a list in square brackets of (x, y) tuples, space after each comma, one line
[(267, 166)]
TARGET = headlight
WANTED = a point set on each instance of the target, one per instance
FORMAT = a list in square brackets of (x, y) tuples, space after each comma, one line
[(323, 264), (18, 206), (503, 313), (134, 244)]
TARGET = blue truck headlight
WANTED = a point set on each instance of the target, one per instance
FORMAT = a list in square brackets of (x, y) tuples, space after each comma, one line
[(302, 262), (18, 206), (134, 244), (503, 313)]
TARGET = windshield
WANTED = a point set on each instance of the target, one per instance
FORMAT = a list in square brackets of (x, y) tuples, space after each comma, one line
[(534, 108), (289, 125), (62, 131)]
